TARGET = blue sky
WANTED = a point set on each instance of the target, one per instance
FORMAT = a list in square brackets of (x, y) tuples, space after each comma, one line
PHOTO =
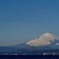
[(23, 20)]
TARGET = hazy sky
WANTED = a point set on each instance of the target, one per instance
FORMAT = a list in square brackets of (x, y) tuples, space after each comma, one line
[(23, 20)]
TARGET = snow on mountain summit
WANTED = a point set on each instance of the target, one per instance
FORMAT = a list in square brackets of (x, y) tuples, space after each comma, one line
[(44, 39), (48, 36)]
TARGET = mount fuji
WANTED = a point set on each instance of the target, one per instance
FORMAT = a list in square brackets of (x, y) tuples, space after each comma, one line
[(46, 43), (44, 40)]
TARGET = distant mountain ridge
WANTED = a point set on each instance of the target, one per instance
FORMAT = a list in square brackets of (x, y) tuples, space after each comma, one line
[(44, 39), (47, 42)]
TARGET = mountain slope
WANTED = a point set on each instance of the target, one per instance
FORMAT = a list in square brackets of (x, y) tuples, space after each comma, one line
[(46, 43), (44, 39)]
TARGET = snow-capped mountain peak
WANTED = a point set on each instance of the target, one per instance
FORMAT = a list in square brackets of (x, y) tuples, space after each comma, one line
[(48, 36), (44, 39)]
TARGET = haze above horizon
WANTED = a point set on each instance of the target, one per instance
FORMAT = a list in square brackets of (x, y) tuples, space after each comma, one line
[(23, 20)]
